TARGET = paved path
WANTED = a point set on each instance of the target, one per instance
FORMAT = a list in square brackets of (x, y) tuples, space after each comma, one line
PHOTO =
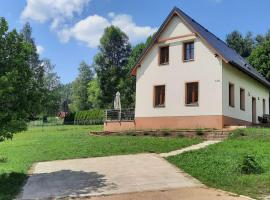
[(126, 177), (190, 148), (104, 176)]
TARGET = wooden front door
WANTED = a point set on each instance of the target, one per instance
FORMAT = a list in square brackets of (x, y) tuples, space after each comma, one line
[(254, 116)]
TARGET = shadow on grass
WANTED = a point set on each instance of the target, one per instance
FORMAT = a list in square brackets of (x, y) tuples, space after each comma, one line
[(10, 185)]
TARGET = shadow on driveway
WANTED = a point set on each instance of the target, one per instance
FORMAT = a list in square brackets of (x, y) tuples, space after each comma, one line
[(64, 183)]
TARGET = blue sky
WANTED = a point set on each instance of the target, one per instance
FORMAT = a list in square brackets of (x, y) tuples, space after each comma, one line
[(67, 31)]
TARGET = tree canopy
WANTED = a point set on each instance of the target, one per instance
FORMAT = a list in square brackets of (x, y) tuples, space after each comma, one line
[(79, 87), (114, 51), (17, 81), (260, 58)]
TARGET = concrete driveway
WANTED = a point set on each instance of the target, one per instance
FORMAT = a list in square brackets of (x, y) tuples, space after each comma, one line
[(105, 176)]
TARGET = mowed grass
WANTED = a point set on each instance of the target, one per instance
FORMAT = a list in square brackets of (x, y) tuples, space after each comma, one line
[(218, 165), (68, 142)]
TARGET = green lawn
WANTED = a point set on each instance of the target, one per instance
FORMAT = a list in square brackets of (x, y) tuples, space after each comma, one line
[(218, 165), (65, 142)]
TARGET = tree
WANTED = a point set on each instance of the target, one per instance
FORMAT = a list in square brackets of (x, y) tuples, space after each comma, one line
[(260, 58), (242, 45), (79, 87), (66, 95), (51, 96), (127, 85), (94, 93), (262, 38), (16, 81), (114, 51), (37, 71)]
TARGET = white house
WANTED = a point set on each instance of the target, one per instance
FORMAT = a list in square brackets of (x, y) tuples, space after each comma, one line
[(189, 78)]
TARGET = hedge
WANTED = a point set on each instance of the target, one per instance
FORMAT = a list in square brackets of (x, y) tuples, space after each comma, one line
[(88, 117)]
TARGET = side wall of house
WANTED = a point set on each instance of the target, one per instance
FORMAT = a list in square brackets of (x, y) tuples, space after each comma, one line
[(205, 69), (252, 89)]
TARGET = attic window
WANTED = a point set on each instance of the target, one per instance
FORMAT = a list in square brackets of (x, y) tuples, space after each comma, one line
[(164, 55), (188, 50)]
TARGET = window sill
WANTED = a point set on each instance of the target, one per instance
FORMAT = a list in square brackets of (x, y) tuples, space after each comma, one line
[(161, 64), (231, 106), (242, 109), (192, 105), (159, 106), (188, 60)]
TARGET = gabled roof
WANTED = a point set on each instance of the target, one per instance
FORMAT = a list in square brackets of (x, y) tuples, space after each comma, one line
[(217, 45)]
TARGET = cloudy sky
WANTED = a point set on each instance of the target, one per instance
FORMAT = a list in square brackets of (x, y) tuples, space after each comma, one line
[(68, 31)]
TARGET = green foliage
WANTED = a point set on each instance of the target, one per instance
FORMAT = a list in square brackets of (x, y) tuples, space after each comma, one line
[(199, 131), (79, 88), (260, 58), (241, 44), (93, 91), (114, 51), (88, 117), (127, 84), (51, 96), (18, 91), (249, 165)]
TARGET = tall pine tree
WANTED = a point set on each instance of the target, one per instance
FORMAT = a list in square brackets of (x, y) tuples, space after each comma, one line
[(109, 63)]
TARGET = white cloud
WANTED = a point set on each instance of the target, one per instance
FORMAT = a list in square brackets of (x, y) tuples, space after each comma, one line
[(40, 49), (59, 13), (90, 29), (136, 33), (55, 11)]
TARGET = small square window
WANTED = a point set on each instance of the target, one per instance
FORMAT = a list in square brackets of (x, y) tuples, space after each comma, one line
[(188, 51), (164, 55), (192, 94), (159, 96)]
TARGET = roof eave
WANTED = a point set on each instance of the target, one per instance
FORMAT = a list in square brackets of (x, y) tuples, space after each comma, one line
[(265, 83)]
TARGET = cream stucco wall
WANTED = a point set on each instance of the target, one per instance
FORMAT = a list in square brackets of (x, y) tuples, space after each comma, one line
[(252, 89), (206, 69)]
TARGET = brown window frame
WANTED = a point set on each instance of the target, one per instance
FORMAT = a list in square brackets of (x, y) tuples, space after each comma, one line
[(160, 55), (185, 59), (157, 101), (231, 95), (242, 99), (193, 102), (264, 106)]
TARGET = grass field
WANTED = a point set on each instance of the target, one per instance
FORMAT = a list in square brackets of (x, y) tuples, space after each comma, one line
[(66, 142), (218, 165)]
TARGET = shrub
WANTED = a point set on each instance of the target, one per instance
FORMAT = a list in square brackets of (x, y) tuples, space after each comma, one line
[(199, 131), (238, 133), (249, 165), (88, 117), (3, 159), (69, 118)]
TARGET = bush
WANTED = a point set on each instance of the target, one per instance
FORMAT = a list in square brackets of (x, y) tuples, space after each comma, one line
[(88, 117), (249, 165), (238, 133), (69, 118), (200, 131)]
